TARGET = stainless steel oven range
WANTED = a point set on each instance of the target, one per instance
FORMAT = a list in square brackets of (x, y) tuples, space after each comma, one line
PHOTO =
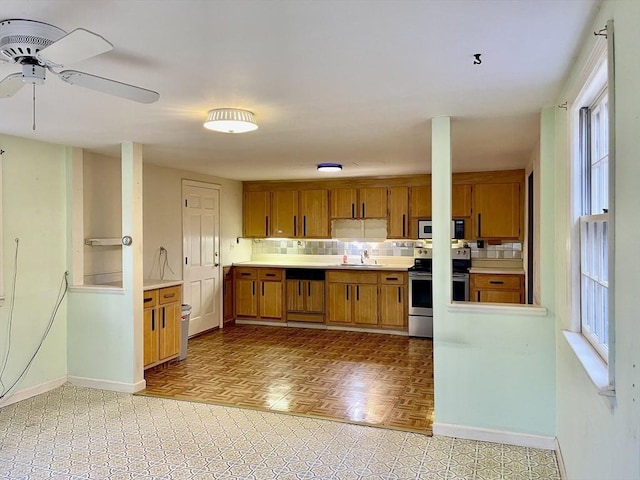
[(421, 287)]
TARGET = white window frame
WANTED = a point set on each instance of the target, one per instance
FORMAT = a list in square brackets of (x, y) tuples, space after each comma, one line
[(595, 81)]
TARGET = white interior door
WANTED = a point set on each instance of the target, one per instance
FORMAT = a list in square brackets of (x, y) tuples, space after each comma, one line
[(201, 243)]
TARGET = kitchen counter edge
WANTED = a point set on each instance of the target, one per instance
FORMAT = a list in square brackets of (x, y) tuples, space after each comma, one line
[(322, 266), (152, 284)]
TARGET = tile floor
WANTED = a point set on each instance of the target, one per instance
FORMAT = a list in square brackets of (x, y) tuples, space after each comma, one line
[(80, 433), (360, 377)]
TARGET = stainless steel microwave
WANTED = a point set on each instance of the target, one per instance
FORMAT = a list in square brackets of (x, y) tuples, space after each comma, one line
[(425, 231)]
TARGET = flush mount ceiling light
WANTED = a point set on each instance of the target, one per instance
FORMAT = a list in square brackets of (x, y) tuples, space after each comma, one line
[(230, 120), (329, 167)]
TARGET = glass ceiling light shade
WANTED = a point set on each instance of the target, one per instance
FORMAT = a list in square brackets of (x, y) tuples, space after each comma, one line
[(329, 167), (230, 120)]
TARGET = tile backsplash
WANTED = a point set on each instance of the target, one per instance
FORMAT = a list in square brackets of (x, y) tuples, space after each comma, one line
[(388, 248), (507, 250)]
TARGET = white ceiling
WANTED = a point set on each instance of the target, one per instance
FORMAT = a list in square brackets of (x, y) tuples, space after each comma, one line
[(348, 81)]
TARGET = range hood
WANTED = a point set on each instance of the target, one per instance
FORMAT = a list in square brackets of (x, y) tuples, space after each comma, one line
[(363, 230)]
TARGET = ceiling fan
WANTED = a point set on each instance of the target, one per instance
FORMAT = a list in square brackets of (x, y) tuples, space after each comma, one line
[(39, 47)]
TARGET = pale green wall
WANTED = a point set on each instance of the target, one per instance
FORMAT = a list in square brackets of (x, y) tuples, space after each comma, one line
[(34, 210), (598, 443), (492, 371)]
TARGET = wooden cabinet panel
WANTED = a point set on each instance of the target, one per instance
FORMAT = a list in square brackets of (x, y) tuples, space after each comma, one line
[(227, 295), (256, 212), (497, 288), (372, 202), (169, 330), (420, 201), (151, 336), (365, 304), (315, 296), (161, 324), (392, 306), (295, 296), (271, 300), (246, 300), (398, 220), (284, 214), (496, 210), (351, 277), (460, 201), (339, 306), (393, 278), (344, 203), (314, 213)]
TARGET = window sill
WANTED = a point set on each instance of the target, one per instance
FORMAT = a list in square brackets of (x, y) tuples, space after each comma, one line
[(497, 308), (594, 365)]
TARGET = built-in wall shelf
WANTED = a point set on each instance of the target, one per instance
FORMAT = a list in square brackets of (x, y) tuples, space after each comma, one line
[(98, 242)]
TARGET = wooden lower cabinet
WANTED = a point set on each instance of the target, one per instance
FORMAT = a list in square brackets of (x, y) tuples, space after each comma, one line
[(374, 299), (258, 293), (393, 300), (162, 313), (352, 298), (305, 300), (497, 288), (227, 295)]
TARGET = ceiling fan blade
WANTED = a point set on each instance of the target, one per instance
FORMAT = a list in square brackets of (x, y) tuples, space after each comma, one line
[(10, 85), (74, 47), (111, 87)]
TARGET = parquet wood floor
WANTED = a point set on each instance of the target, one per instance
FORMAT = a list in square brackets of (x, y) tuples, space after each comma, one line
[(366, 378)]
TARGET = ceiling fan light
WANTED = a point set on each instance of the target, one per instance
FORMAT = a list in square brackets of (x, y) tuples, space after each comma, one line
[(230, 120), (329, 167)]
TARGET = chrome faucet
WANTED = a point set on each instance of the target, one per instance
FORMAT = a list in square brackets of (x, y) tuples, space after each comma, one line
[(364, 255)]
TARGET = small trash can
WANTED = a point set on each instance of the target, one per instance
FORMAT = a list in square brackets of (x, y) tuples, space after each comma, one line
[(184, 334)]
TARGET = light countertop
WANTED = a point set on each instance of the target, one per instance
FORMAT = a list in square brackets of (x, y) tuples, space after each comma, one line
[(322, 265), (152, 284)]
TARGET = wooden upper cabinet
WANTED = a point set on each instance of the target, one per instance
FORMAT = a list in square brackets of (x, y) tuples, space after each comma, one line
[(420, 201), (398, 220), (256, 214), (359, 203), (284, 214), (496, 208), (461, 201), (344, 203), (314, 214), (372, 202)]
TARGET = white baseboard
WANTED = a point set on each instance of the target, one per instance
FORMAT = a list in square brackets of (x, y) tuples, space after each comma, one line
[(496, 436), (561, 466), (29, 392), (108, 384)]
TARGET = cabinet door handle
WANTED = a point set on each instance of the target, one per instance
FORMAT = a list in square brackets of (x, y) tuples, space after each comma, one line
[(496, 282), (263, 289), (295, 226), (478, 295), (153, 320), (479, 225), (392, 278), (399, 294), (163, 313), (266, 226), (353, 210), (362, 209), (304, 225), (253, 288), (357, 293), (245, 274), (299, 288), (148, 299), (346, 289), (309, 289), (404, 223), (270, 275), (169, 295)]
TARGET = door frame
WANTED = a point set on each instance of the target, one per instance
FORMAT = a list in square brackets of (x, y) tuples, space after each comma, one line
[(220, 277)]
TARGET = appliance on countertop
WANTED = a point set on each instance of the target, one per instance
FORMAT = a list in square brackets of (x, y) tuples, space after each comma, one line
[(421, 287), (425, 229)]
